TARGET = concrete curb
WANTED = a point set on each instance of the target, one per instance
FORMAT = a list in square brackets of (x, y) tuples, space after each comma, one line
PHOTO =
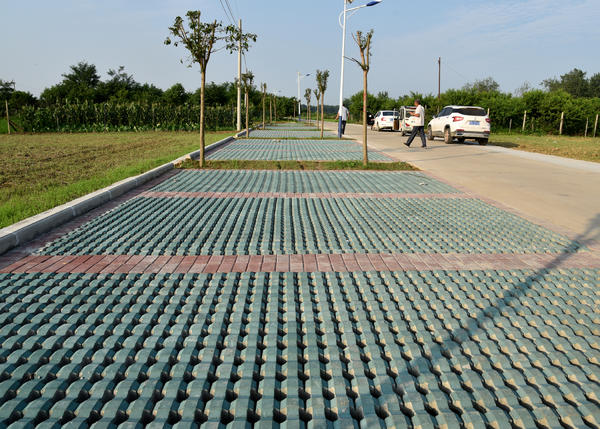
[(28, 229)]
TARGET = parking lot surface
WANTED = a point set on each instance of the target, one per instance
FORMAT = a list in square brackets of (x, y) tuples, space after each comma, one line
[(301, 299)]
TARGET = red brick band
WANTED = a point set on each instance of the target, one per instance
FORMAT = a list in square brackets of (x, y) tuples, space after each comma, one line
[(295, 195), (347, 262)]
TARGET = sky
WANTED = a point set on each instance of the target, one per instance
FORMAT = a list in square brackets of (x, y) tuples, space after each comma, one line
[(513, 41)]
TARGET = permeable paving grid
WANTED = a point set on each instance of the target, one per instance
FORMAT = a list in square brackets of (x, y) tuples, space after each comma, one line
[(302, 182), (290, 126), (289, 134), (302, 299), (291, 150), (264, 226), (387, 350)]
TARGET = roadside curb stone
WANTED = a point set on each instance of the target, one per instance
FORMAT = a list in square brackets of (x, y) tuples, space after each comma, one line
[(28, 229)]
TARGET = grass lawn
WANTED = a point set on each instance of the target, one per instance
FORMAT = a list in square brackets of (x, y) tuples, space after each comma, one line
[(587, 149), (41, 171), (299, 165)]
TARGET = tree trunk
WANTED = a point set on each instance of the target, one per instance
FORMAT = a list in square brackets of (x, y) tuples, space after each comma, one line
[(202, 85), (322, 117), (247, 115), (365, 152)]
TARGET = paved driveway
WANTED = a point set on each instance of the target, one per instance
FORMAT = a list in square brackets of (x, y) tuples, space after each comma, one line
[(562, 192)]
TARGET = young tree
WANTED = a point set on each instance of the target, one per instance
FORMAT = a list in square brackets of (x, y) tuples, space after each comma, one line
[(201, 40), (246, 84), (322, 77), (307, 97), (364, 45), (318, 97), (264, 103)]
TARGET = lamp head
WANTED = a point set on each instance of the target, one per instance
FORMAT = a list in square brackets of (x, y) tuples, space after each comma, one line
[(374, 2)]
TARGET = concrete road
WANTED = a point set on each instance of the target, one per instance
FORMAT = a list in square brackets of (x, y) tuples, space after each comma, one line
[(562, 192)]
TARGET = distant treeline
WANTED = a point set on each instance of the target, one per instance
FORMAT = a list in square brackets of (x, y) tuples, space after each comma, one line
[(574, 94), (82, 101)]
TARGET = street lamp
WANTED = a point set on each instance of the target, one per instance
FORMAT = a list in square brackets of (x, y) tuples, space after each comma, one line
[(300, 76), (343, 25)]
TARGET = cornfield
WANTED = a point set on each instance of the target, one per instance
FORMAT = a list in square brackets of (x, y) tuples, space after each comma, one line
[(90, 117)]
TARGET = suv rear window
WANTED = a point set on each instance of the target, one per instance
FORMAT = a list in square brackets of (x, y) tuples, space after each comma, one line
[(471, 111)]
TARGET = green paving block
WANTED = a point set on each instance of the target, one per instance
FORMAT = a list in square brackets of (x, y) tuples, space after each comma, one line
[(287, 133), (328, 350), (304, 150), (214, 226)]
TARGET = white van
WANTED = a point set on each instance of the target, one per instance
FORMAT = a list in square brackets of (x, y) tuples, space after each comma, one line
[(406, 121)]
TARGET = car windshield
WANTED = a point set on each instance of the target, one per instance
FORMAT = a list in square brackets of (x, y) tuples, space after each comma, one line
[(388, 113), (471, 111)]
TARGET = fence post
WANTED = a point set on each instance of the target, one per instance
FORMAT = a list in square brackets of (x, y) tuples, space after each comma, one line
[(509, 125), (586, 126), (7, 117), (595, 126), (562, 120), (524, 119)]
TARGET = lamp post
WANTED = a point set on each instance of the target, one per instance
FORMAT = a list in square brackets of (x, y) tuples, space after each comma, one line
[(344, 14), (300, 76)]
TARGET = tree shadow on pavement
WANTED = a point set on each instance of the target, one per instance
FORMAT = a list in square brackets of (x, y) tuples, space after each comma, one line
[(449, 346)]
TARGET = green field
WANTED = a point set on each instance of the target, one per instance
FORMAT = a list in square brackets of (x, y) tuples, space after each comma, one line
[(587, 149), (41, 171)]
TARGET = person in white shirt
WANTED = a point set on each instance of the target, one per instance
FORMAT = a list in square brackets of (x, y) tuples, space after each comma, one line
[(419, 127), (343, 113)]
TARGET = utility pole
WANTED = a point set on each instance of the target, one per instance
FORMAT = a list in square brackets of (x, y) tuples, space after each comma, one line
[(239, 87), (439, 83), (562, 121), (7, 117), (299, 100)]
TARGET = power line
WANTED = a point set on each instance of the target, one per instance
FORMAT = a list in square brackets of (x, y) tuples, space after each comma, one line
[(230, 18), (236, 8), (230, 11)]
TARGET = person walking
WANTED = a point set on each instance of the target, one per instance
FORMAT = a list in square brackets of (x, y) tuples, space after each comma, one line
[(419, 127), (343, 112)]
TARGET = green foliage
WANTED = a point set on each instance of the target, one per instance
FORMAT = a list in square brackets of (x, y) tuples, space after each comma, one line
[(175, 95), (308, 96), (322, 78), (90, 117), (202, 39), (484, 85), (575, 83), (543, 108)]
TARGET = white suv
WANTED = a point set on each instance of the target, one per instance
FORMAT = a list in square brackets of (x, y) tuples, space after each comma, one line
[(460, 122)]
